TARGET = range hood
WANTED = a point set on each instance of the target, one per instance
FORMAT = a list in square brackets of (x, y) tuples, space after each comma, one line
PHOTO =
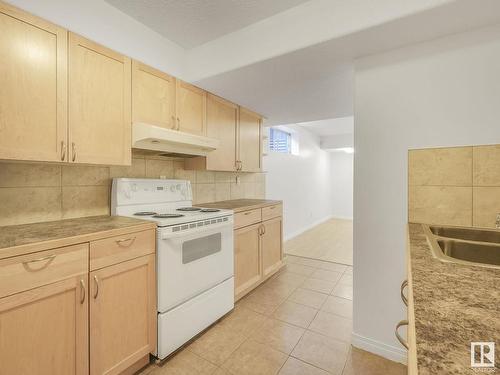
[(172, 142)]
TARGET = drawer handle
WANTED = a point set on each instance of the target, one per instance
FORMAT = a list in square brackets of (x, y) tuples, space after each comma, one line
[(403, 297), (49, 258), (247, 213), (400, 339), (126, 242), (82, 292), (96, 281)]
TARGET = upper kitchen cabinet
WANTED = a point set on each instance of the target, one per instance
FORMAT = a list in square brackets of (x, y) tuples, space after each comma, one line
[(191, 104), (249, 141), (33, 87), (153, 96), (99, 104), (222, 122)]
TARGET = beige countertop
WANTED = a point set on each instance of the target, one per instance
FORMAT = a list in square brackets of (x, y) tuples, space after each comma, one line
[(238, 205), (27, 238), (454, 304)]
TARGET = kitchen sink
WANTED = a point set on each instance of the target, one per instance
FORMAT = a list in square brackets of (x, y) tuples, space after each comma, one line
[(479, 247), (468, 234), (471, 251)]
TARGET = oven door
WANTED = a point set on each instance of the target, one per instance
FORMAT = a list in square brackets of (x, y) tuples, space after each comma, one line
[(192, 262)]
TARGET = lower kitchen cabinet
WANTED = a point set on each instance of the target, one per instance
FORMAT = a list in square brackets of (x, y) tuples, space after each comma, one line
[(258, 247), (89, 307), (45, 330), (247, 267), (122, 315), (272, 254)]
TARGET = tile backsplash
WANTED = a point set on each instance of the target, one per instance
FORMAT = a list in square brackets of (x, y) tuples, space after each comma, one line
[(33, 192), (454, 186)]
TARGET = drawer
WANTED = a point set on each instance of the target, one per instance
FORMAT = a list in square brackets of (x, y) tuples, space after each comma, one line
[(18, 274), (242, 219), (272, 211), (113, 250)]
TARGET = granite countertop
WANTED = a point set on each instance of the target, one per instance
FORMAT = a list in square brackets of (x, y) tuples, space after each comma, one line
[(238, 205), (454, 305), (26, 238)]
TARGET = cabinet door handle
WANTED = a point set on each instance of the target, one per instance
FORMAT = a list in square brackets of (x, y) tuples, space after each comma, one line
[(63, 150), (126, 242), (263, 229), (82, 292), (400, 339), (403, 297), (73, 151), (178, 123), (48, 258), (174, 124), (96, 281)]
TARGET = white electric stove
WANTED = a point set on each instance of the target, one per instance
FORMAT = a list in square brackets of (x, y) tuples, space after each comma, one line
[(195, 269)]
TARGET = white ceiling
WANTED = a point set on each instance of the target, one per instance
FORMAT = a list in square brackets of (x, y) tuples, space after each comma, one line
[(190, 23), (329, 127)]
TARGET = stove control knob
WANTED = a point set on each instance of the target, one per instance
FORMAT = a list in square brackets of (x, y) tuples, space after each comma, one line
[(134, 187), (172, 188)]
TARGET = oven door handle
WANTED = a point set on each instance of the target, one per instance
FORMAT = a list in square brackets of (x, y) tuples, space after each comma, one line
[(187, 232)]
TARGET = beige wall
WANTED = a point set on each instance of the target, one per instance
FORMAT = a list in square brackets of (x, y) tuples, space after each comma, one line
[(42, 192), (454, 186)]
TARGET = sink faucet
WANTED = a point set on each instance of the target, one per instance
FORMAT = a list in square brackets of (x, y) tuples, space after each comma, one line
[(498, 221)]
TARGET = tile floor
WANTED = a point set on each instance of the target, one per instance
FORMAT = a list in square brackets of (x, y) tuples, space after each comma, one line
[(330, 241), (299, 322)]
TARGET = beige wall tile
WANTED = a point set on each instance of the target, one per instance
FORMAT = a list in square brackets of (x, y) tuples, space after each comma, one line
[(159, 168), (78, 175), (237, 191), (205, 177), (23, 175), (225, 177), (450, 205), (260, 190), (205, 193), (486, 206), (487, 165), (136, 170), (247, 177), (222, 191), (29, 205), (444, 166), (80, 201), (182, 174)]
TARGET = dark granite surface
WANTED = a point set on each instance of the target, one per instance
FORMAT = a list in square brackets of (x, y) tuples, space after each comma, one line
[(238, 205), (28, 234), (454, 305)]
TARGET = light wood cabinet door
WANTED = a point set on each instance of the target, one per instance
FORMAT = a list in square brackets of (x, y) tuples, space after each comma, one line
[(45, 330), (272, 251), (153, 96), (122, 315), (33, 87), (99, 104), (249, 141), (191, 103), (222, 120), (247, 265)]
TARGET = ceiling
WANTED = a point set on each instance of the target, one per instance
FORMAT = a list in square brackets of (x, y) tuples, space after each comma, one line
[(190, 23), (330, 127)]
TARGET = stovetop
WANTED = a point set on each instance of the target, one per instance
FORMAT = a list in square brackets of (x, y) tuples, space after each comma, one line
[(170, 217)]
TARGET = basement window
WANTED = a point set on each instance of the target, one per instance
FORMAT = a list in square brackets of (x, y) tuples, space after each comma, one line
[(280, 141)]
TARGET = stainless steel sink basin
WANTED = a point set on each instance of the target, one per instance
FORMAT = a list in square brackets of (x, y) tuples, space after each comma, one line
[(479, 247), (468, 234), (471, 251)]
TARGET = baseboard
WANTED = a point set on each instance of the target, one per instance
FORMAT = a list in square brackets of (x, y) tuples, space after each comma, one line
[(306, 228), (376, 347), (341, 217)]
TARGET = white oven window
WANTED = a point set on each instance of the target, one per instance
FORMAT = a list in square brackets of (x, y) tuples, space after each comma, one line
[(201, 247)]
